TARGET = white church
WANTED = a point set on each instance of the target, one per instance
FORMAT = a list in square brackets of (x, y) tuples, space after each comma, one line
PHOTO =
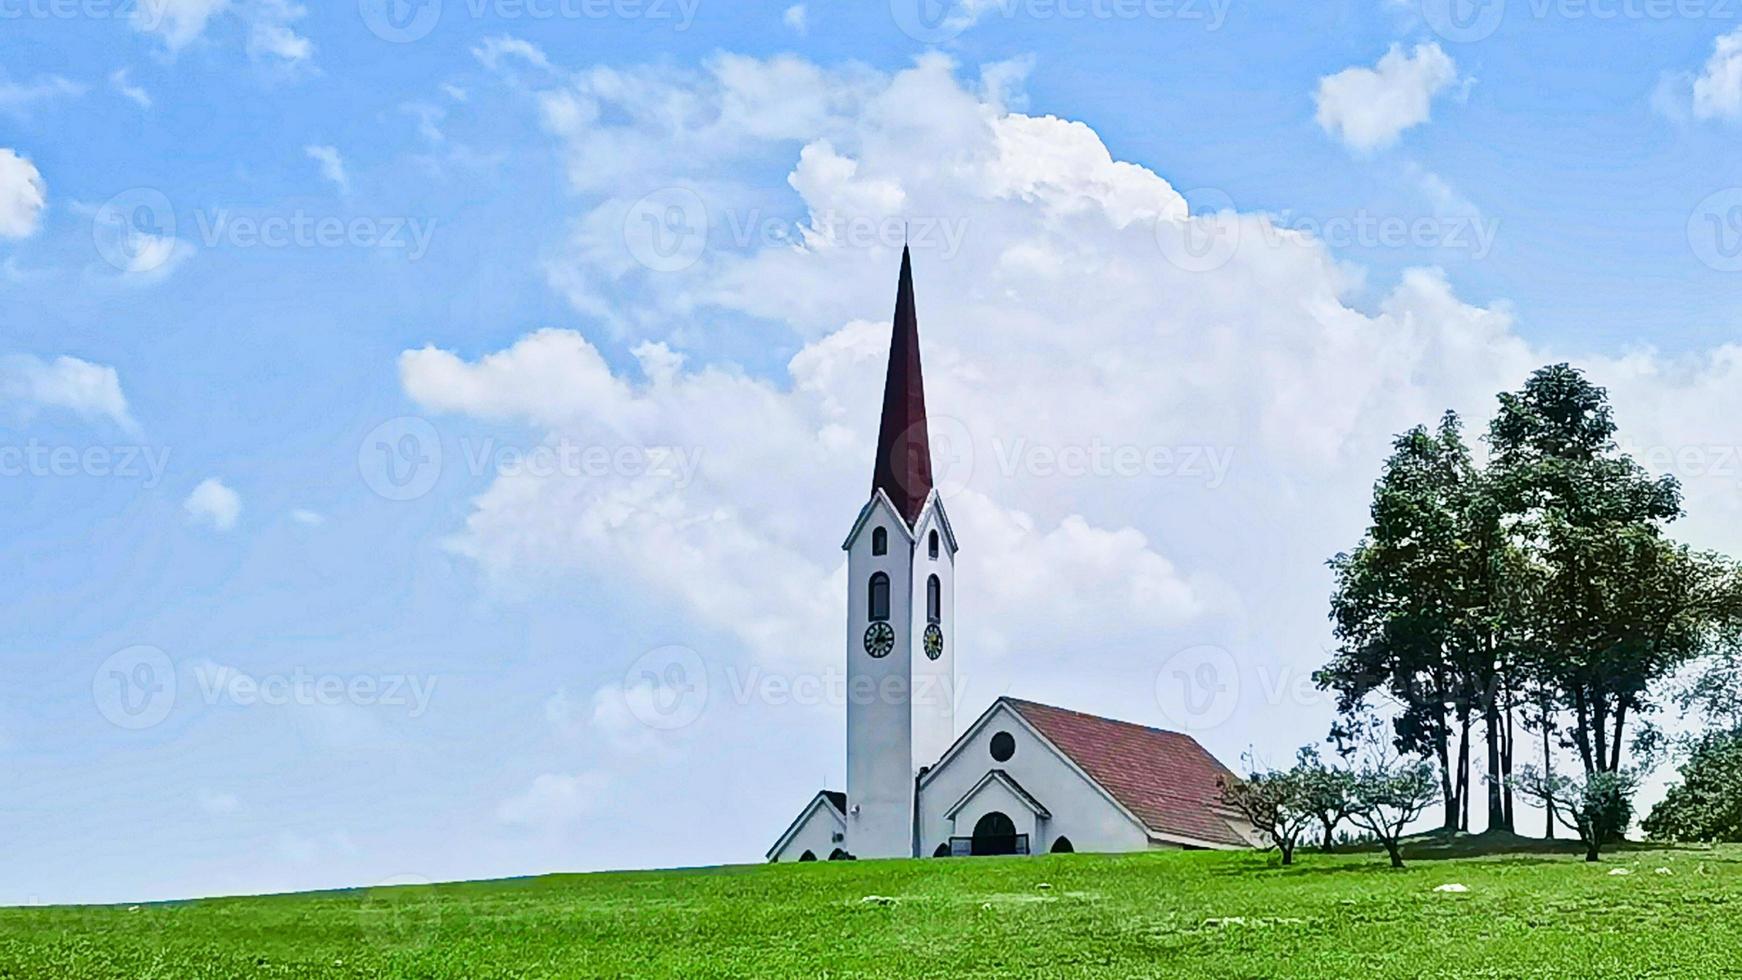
[(1023, 778)]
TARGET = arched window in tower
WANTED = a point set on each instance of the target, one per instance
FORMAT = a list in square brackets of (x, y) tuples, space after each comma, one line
[(934, 599), (932, 545), (879, 541), (879, 599)]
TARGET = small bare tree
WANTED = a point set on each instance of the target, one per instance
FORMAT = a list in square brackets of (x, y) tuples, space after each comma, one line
[(1389, 794), (1272, 800), (1327, 791)]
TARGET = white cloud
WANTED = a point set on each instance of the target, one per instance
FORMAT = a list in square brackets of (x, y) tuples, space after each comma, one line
[(23, 193), (797, 18), (1717, 90), (554, 801), (496, 53), (119, 82), (217, 803), (266, 24), (17, 98), (213, 504), (270, 40), (332, 165), (177, 22), (1258, 396), (1368, 108), (307, 518), (90, 390)]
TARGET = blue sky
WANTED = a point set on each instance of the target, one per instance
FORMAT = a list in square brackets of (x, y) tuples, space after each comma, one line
[(461, 273)]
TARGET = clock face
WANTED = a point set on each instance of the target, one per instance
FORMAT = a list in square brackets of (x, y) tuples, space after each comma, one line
[(934, 642), (879, 639)]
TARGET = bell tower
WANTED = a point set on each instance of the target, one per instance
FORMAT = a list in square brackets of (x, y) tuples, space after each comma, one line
[(901, 557)]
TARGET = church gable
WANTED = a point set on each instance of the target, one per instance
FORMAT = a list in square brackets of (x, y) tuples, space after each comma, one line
[(818, 833)]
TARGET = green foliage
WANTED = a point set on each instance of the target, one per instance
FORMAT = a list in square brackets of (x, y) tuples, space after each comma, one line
[(1158, 914), (1597, 806), (1274, 802), (1388, 794), (1707, 804)]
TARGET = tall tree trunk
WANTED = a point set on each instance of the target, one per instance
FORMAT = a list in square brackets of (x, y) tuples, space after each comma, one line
[(1329, 842), (1547, 771), (1506, 764), (1615, 744), (1491, 724), (1582, 730), (1600, 729), (1448, 780), (1464, 766)]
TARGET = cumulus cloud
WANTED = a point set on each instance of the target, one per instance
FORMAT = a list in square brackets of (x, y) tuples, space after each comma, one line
[(177, 22), (1368, 108), (1717, 89), (797, 18), (23, 194), (68, 383), (1141, 452), (332, 165), (554, 801), (213, 505)]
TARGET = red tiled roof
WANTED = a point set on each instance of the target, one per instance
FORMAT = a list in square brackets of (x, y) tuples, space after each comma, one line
[(1166, 779)]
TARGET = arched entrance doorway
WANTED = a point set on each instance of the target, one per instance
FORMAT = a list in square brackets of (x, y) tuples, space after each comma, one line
[(995, 833)]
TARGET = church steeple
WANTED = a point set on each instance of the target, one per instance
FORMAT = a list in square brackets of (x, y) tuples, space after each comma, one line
[(903, 468)]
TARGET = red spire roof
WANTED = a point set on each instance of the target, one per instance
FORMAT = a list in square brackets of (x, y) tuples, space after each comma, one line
[(903, 449)]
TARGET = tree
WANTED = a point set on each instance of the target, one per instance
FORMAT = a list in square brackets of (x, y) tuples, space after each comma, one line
[(1619, 606), (1327, 792), (1396, 607), (1707, 804), (1390, 793), (1273, 801), (1597, 806)]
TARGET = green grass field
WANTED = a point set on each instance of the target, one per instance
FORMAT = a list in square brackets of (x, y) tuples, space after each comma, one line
[(1163, 914)]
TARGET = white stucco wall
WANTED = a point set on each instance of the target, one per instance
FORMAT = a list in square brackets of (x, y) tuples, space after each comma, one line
[(934, 690), (815, 834), (1079, 810), (880, 766)]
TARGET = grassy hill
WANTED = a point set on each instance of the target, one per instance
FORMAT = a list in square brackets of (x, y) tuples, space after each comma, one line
[(1162, 914)]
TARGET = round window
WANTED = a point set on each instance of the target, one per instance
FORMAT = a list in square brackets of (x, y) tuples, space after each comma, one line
[(1003, 746)]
